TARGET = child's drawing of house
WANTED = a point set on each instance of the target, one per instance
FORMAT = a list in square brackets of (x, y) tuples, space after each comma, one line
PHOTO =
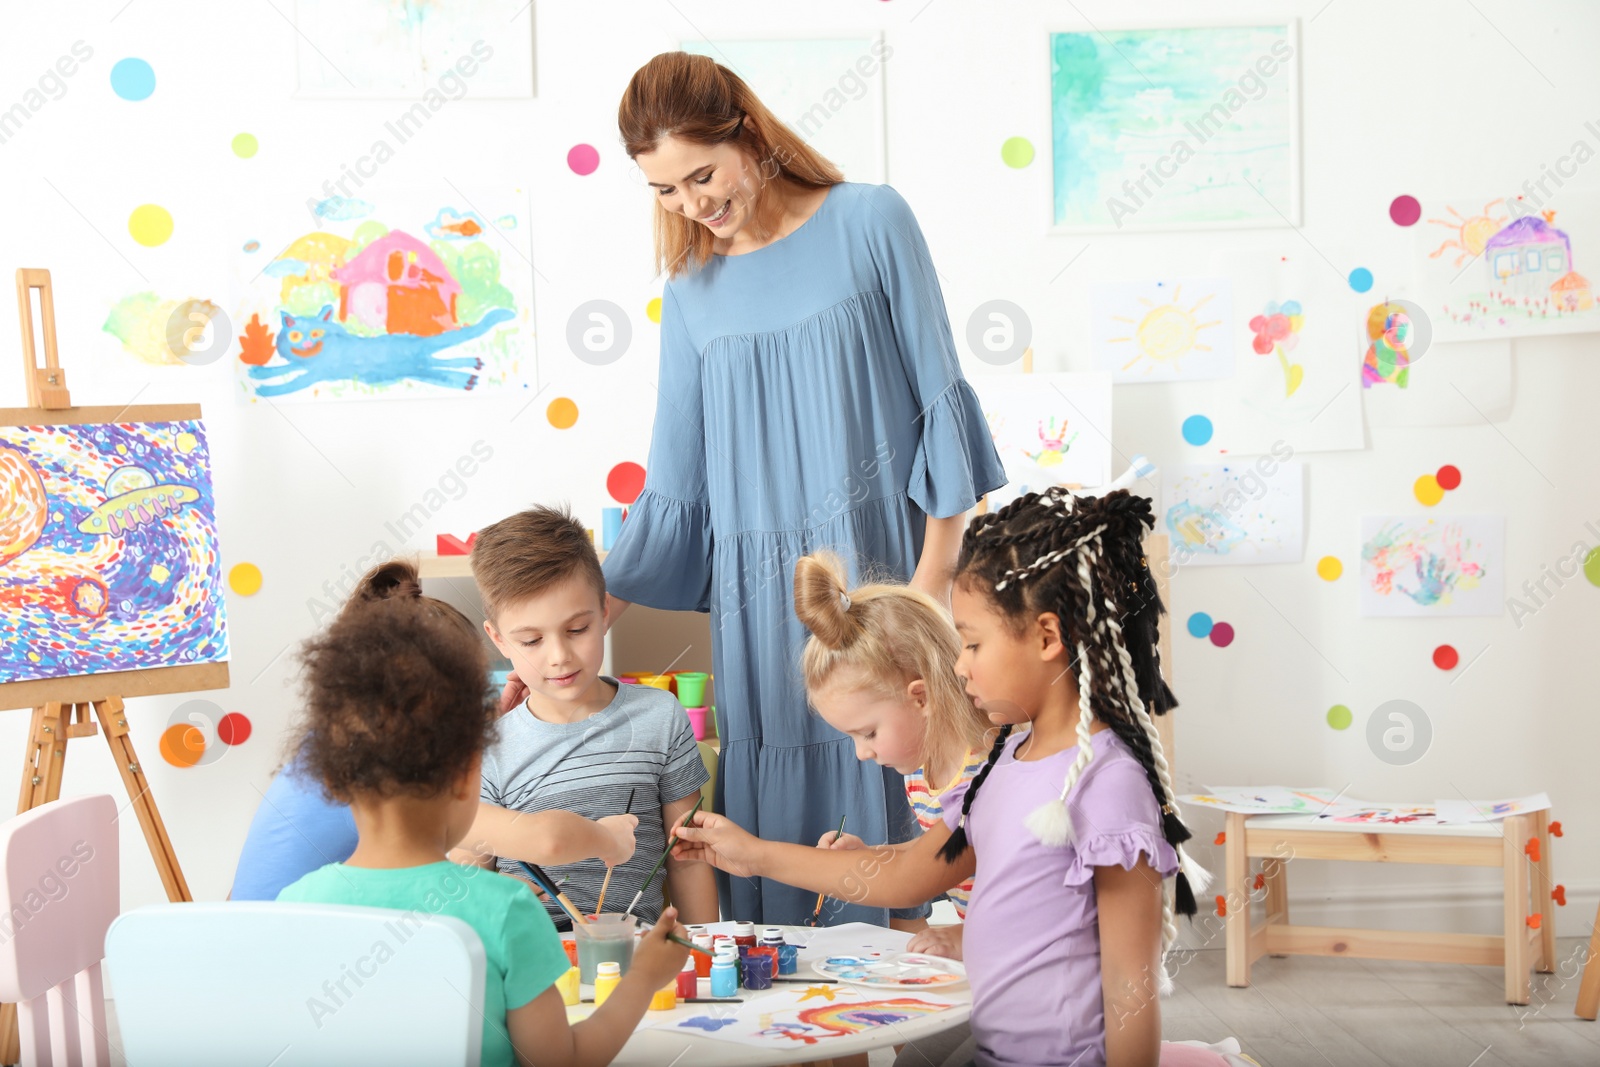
[(398, 285), (1572, 292), (1528, 255)]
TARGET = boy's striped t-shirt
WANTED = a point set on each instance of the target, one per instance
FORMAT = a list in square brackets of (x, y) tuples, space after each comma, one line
[(929, 810), (641, 743)]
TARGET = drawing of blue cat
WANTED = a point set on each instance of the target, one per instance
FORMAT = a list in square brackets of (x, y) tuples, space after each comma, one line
[(315, 350)]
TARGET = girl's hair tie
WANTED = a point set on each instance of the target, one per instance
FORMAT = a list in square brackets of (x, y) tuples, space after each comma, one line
[(844, 601)]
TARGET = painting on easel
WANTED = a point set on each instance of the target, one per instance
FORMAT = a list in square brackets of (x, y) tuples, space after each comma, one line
[(108, 550)]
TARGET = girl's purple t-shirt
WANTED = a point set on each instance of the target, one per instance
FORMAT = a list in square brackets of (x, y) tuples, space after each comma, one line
[(1032, 942)]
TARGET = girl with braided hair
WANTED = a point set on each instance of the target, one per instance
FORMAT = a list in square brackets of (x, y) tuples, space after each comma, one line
[(1070, 831)]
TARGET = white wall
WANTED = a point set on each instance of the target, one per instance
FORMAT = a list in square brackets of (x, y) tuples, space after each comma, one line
[(1427, 98)]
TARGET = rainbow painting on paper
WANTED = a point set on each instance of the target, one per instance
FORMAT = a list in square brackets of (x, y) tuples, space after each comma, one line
[(108, 550), (1421, 567), (813, 1015)]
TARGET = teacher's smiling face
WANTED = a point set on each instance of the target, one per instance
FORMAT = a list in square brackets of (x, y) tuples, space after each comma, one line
[(717, 186)]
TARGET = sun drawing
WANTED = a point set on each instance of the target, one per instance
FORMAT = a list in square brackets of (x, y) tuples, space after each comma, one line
[(1167, 333)]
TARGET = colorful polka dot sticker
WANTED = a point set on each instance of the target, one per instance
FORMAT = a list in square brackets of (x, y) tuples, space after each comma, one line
[(150, 225), (1199, 624), (1404, 210), (133, 79), (1445, 657), (652, 310), (1222, 635), (1197, 429), (182, 745), (1361, 279), (584, 159), (1017, 152), (1339, 717), (1591, 566), (562, 413), (245, 579), (1448, 477), (234, 729), (1427, 490), (625, 482), (244, 145), (1329, 568)]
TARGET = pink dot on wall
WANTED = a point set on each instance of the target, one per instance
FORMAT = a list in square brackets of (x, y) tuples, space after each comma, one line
[(1405, 210), (1222, 634), (583, 158)]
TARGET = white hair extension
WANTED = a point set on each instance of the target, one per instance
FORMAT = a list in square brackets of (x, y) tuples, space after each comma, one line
[(1051, 822)]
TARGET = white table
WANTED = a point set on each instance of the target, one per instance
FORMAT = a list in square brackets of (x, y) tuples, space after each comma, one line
[(656, 1048)]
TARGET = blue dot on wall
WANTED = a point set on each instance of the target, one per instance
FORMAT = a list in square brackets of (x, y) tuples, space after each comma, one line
[(1199, 624), (1361, 279), (133, 79), (1197, 429)]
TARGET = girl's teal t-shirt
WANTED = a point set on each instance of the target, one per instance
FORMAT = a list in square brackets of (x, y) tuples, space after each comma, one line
[(522, 951)]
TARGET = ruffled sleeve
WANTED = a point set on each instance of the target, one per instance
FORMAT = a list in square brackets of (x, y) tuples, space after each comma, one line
[(662, 557), (1117, 819), (955, 462)]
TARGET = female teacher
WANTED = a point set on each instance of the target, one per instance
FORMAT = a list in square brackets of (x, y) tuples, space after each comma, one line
[(810, 397)]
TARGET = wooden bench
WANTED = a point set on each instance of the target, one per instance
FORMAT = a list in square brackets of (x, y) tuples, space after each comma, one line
[(1527, 942)]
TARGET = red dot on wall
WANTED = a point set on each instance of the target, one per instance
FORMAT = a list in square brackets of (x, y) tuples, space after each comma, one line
[(1445, 657), (625, 482), (234, 729), (1448, 477)]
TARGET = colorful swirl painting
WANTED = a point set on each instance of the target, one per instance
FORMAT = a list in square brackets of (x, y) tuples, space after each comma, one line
[(1417, 566), (108, 550)]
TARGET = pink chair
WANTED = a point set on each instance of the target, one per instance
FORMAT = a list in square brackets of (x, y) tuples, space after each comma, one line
[(59, 892)]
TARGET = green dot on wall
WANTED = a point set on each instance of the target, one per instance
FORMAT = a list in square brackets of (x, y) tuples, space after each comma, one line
[(1017, 152), (1591, 566), (244, 145), (1339, 717)]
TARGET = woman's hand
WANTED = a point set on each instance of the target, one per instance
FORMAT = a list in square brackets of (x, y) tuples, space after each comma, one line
[(939, 941), (719, 841), (836, 840)]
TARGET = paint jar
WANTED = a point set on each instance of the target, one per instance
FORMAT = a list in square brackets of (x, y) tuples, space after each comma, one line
[(568, 985), (772, 935), (608, 939), (767, 952), (702, 960), (744, 934), (571, 948), (610, 527), (692, 688), (697, 722), (664, 999), (689, 978), (788, 959), (758, 971), (606, 977), (658, 681), (725, 975)]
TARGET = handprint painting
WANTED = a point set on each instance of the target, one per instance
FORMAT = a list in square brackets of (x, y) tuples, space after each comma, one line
[(1421, 567), (427, 302), (108, 550)]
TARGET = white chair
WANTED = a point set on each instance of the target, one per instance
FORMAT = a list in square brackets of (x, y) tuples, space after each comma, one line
[(295, 985), (58, 893)]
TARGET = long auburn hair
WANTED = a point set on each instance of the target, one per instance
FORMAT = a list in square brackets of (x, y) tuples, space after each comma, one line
[(696, 99)]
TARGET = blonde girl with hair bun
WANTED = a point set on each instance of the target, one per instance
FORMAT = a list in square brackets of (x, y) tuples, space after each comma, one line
[(880, 668)]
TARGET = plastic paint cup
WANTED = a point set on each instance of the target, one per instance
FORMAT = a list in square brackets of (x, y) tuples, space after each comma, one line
[(607, 939), (788, 959), (758, 971), (697, 722), (692, 688), (610, 527), (658, 681), (627, 679)]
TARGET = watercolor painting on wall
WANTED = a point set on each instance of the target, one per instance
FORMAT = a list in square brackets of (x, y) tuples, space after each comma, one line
[(1162, 331), (108, 550), (1050, 429), (1182, 128), (828, 90), (416, 298), (1231, 513), (1419, 567), (1500, 267), (414, 50), (1295, 377), (806, 1015)]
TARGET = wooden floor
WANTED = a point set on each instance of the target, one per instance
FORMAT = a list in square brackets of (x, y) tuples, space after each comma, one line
[(1309, 1012)]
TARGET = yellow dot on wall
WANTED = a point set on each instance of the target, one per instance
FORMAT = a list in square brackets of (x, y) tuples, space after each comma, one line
[(562, 413), (652, 310), (150, 225), (245, 579), (1329, 568), (1428, 490)]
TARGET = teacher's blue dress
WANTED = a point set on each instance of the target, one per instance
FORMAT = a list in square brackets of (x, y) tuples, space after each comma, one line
[(810, 398)]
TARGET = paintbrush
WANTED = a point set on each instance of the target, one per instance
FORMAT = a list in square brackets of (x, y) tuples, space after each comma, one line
[(816, 915), (672, 840), (600, 904), (549, 886)]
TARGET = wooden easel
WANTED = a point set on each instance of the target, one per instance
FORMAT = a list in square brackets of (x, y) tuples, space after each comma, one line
[(61, 706), (1156, 549)]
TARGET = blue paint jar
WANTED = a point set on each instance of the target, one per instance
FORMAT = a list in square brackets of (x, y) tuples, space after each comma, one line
[(725, 975), (788, 959)]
